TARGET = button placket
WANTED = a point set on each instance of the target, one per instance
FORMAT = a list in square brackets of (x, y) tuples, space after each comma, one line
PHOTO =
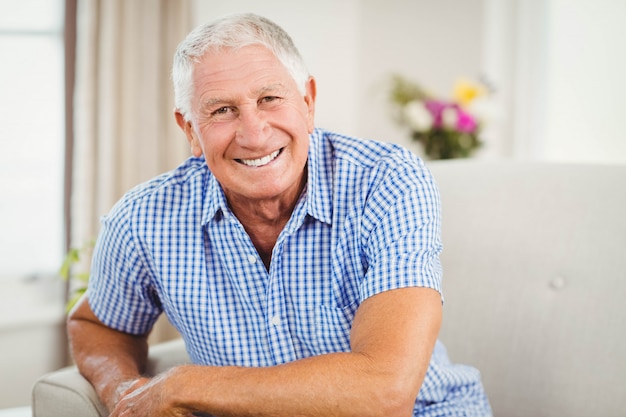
[(241, 262), (281, 345)]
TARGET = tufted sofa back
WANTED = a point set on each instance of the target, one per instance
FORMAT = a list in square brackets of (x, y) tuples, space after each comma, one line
[(535, 283)]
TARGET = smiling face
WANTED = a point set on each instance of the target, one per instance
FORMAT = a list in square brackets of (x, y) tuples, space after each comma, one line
[(251, 123)]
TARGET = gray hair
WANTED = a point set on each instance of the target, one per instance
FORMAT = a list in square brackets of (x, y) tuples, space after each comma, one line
[(233, 31)]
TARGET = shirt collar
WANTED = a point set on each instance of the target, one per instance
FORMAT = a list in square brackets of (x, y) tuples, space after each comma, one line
[(319, 192), (214, 199)]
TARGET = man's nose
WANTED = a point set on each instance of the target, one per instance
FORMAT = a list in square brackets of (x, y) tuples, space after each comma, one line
[(253, 127)]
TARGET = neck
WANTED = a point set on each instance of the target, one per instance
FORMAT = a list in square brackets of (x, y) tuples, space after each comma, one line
[(274, 211), (264, 219)]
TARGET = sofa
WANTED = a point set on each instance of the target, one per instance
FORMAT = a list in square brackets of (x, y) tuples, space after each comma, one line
[(534, 284)]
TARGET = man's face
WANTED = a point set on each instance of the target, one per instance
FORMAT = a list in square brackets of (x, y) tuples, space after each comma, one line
[(251, 123)]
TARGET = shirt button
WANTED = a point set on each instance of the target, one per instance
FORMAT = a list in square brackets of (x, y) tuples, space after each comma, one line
[(275, 320), (251, 259)]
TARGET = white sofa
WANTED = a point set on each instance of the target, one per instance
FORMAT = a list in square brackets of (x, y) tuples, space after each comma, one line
[(534, 283)]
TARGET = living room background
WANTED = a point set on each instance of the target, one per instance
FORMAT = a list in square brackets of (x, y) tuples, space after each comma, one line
[(556, 68)]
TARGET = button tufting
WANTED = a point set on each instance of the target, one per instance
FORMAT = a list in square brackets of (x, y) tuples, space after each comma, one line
[(557, 283)]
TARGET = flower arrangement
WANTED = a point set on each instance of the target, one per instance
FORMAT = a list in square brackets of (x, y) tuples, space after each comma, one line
[(445, 128)]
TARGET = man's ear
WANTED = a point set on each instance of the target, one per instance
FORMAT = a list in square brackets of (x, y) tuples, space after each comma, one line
[(309, 99), (190, 133)]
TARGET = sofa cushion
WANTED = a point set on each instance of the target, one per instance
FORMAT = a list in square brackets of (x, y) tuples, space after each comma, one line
[(534, 281)]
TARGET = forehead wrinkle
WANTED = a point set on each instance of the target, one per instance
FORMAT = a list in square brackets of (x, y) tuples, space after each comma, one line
[(269, 88)]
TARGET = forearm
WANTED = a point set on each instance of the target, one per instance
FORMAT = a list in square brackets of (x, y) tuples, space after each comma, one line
[(108, 359), (341, 384), (392, 338)]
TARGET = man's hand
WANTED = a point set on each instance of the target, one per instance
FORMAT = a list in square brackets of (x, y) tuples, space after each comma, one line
[(145, 397), (153, 397), (127, 388)]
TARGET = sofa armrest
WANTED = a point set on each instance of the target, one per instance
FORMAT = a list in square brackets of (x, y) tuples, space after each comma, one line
[(66, 393)]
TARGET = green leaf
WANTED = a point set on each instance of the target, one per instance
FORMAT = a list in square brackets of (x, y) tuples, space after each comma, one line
[(404, 91), (71, 258)]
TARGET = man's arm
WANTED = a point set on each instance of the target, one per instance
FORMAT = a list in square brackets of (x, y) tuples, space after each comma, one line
[(112, 361), (392, 339)]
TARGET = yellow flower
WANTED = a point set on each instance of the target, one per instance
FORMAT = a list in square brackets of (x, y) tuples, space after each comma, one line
[(466, 91)]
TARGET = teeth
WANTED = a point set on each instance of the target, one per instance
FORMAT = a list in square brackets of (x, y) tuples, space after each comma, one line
[(261, 161)]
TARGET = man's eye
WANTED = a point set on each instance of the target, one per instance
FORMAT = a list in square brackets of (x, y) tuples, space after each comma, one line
[(221, 110), (269, 99), (224, 113)]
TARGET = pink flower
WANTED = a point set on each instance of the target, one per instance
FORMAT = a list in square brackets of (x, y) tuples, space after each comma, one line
[(436, 108), (465, 122)]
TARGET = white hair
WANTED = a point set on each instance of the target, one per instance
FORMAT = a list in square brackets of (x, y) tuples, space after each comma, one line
[(233, 31)]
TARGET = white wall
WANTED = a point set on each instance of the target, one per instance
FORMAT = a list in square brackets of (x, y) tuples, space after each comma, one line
[(32, 339), (585, 81), (560, 64)]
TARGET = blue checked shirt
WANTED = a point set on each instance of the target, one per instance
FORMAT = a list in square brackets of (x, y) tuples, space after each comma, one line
[(368, 221)]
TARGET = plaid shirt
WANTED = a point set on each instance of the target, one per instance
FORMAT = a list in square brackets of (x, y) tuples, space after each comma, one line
[(368, 221)]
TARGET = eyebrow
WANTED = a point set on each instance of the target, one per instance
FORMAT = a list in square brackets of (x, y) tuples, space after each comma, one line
[(214, 101)]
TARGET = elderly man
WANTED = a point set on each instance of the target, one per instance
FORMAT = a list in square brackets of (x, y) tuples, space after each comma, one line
[(300, 266)]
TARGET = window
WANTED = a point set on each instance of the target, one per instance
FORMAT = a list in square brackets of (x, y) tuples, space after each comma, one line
[(32, 136)]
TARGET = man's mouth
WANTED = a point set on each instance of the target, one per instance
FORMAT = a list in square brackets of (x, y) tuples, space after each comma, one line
[(260, 161)]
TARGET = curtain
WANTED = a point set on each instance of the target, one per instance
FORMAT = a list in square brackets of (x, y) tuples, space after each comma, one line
[(124, 127)]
